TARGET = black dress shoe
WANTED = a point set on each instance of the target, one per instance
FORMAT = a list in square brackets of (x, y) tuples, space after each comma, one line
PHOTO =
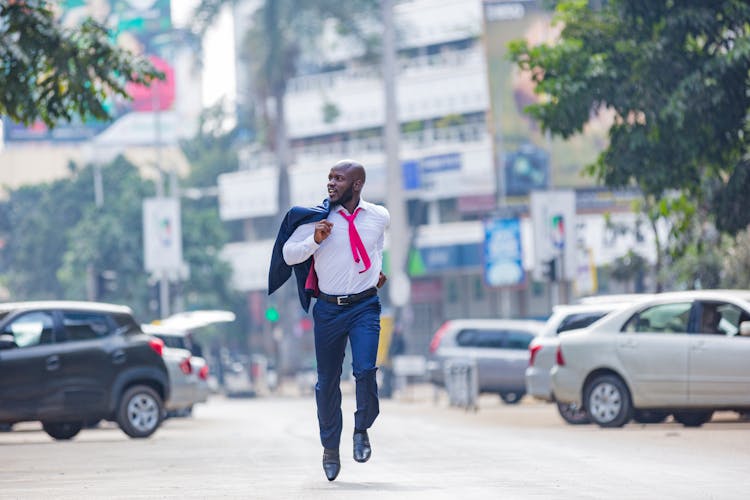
[(331, 463), (362, 450)]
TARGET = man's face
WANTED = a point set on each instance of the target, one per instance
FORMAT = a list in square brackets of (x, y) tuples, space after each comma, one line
[(340, 185)]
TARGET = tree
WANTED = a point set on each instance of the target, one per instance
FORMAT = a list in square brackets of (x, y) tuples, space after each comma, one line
[(109, 238), (51, 73), (736, 262), (675, 76)]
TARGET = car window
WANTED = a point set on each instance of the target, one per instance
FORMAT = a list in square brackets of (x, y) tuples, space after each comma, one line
[(126, 323), (494, 339), (84, 326), (34, 328), (473, 337), (517, 340), (662, 318), (173, 341), (720, 318), (579, 320)]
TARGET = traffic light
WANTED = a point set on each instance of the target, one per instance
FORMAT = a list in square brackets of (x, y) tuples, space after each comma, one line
[(550, 269), (272, 314)]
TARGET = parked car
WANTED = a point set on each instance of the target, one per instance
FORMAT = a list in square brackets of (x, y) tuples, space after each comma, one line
[(680, 353), (498, 346), (70, 363), (564, 318), (188, 373)]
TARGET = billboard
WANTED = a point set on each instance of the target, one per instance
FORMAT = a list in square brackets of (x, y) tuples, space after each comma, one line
[(532, 160), (162, 235), (503, 253), (140, 26)]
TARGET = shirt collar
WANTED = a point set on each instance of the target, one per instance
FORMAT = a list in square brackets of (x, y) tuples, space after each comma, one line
[(362, 204)]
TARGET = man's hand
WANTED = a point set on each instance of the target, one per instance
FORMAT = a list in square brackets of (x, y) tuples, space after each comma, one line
[(322, 231), (381, 280)]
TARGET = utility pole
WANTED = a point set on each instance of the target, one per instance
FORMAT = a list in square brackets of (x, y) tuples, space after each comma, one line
[(495, 124), (399, 286)]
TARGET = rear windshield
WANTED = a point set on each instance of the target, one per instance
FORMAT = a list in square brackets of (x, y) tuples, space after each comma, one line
[(579, 320), (494, 339), (173, 341)]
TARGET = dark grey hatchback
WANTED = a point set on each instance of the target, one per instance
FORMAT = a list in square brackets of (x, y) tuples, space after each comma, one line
[(69, 363)]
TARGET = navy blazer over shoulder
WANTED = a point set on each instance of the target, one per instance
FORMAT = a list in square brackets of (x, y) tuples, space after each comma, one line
[(280, 271)]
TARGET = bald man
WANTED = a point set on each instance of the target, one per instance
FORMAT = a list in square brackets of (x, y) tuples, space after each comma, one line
[(347, 252)]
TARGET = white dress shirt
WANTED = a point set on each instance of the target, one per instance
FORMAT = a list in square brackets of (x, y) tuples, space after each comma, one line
[(337, 272)]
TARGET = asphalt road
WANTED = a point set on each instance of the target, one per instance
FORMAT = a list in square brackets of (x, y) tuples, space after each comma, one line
[(268, 448)]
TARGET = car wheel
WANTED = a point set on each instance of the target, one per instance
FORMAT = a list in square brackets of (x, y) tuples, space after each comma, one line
[(650, 416), (573, 414), (693, 418), (62, 430), (140, 411), (512, 398), (607, 401)]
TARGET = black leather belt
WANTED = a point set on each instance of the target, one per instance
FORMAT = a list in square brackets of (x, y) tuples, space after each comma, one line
[(345, 300)]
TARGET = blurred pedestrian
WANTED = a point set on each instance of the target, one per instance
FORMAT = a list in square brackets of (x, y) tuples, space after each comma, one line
[(336, 250)]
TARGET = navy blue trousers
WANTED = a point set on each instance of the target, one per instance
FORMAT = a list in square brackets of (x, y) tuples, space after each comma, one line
[(360, 324)]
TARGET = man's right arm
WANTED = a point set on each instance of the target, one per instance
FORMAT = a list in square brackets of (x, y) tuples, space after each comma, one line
[(300, 245)]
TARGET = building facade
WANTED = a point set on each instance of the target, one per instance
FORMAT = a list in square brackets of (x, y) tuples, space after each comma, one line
[(455, 173)]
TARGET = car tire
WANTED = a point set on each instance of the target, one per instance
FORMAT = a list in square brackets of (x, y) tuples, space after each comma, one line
[(607, 401), (650, 416), (62, 430), (511, 397), (573, 414), (140, 411), (693, 418)]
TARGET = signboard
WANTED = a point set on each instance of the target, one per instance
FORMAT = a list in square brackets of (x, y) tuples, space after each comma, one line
[(553, 217), (249, 193), (503, 253), (417, 173), (162, 235)]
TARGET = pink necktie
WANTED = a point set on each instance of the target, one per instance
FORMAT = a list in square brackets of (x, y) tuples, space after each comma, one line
[(358, 248)]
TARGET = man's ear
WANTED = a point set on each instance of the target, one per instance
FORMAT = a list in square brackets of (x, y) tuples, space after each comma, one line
[(358, 184)]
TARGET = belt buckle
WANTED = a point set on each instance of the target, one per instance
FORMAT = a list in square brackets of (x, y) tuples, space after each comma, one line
[(341, 300)]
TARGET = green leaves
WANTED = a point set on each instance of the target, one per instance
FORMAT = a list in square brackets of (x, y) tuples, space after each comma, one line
[(51, 74), (674, 73)]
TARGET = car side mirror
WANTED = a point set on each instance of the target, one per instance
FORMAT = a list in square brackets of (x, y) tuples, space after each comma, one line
[(7, 341), (745, 328)]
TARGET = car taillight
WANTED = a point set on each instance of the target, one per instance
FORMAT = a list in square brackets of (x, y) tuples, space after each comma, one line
[(435, 343), (533, 350), (185, 366), (559, 357), (157, 345), (203, 373)]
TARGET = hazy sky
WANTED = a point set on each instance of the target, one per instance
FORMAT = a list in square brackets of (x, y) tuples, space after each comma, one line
[(218, 47)]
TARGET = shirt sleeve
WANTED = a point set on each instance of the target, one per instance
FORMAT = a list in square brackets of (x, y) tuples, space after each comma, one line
[(300, 245)]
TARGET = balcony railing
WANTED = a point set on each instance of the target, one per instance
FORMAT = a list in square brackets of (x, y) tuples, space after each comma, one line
[(407, 66), (428, 137)]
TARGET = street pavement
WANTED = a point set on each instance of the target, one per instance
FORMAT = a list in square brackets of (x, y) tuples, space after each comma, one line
[(267, 447)]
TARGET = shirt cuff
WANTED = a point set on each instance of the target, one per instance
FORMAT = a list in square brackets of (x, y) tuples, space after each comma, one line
[(310, 244)]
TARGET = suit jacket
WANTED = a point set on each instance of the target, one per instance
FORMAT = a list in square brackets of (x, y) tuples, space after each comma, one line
[(280, 271)]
